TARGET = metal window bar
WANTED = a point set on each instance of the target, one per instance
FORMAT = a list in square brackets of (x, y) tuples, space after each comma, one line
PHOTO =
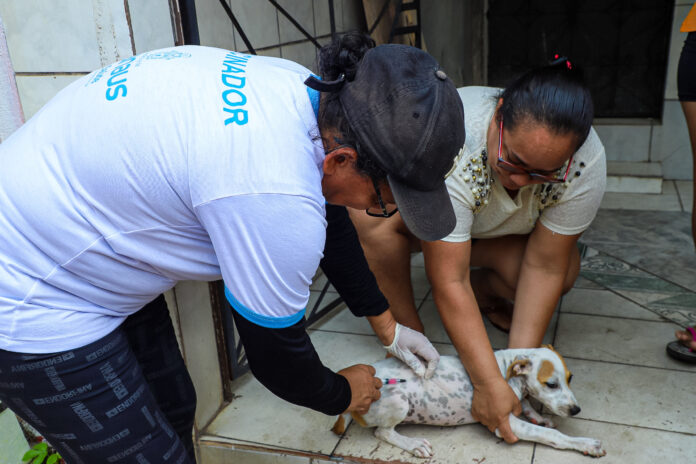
[(238, 364), (237, 360)]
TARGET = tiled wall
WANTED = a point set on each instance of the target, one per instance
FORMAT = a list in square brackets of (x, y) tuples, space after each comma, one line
[(54, 43), (666, 140), (270, 32)]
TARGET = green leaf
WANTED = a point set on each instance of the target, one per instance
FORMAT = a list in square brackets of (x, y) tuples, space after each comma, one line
[(42, 446), (29, 455), (52, 459)]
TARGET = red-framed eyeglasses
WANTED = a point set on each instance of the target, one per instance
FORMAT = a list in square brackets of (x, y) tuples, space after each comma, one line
[(515, 169)]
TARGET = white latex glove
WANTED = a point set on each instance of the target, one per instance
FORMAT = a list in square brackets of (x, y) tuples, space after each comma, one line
[(409, 345)]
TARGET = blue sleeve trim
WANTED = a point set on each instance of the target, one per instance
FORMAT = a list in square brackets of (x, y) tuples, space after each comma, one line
[(314, 98), (259, 319)]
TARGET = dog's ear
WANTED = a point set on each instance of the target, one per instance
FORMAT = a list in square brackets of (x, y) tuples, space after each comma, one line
[(520, 366)]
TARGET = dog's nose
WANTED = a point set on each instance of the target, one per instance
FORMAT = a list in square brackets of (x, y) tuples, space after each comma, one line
[(574, 410)]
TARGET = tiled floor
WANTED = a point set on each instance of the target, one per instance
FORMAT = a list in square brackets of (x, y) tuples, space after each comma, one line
[(637, 285)]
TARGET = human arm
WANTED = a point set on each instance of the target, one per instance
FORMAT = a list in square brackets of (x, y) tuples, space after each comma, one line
[(267, 274), (285, 361), (447, 265), (346, 268), (544, 273)]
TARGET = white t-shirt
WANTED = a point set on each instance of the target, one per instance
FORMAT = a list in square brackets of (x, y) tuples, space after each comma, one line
[(483, 207), (187, 163)]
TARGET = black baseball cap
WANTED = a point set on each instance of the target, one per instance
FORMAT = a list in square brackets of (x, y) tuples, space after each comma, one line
[(408, 117)]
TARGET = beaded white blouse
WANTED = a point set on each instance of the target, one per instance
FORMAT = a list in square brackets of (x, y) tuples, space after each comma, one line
[(482, 205)]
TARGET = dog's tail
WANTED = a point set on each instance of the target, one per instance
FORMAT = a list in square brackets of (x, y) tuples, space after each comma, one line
[(341, 424)]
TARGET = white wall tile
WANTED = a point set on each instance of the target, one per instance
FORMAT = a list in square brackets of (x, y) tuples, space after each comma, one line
[(214, 26), (302, 11), (274, 52), (113, 33), (322, 22), (36, 91), (670, 143), (200, 349), (259, 21), (51, 36), (675, 45), (152, 24), (625, 142), (304, 53)]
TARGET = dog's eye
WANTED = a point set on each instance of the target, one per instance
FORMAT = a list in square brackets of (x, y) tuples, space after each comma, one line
[(570, 378), (552, 385)]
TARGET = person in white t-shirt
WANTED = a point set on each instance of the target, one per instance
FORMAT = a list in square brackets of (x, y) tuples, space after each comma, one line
[(195, 163), (528, 182)]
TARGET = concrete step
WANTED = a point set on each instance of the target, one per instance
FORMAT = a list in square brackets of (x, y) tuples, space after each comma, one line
[(633, 177)]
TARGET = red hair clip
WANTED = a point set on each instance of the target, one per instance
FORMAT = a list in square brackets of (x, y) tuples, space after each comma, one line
[(558, 59)]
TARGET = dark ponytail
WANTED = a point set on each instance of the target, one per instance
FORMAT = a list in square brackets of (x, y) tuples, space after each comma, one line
[(343, 56), (554, 96)]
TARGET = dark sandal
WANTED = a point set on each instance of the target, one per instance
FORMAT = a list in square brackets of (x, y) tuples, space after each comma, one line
[(679, 351)]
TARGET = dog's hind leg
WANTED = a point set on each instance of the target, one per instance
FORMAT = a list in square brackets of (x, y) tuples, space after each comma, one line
[(416, 446), (386, 413), (551, 437)]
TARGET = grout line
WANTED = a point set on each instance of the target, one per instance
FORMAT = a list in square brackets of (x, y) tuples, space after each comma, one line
[(663, 321), (644, 427), (688, 290), (681, 202), (264, 448), (637, 302), (668, 369), (52, 73)]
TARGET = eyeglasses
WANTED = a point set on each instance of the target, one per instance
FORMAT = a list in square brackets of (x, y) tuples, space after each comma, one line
[(382, 211), (513, 168)]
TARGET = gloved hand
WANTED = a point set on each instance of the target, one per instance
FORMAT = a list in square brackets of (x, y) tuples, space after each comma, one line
[(409, 346)]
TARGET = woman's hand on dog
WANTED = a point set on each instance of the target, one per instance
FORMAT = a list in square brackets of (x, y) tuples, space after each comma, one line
[(492, 405), (364, 387)]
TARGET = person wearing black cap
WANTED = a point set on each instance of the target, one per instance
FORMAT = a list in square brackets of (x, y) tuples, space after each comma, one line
[(195, 163)]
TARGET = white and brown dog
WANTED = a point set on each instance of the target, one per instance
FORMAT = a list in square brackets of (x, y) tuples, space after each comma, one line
[(445, 399)]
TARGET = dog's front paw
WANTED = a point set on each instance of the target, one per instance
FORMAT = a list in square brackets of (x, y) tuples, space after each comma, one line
[(419, 447), (592, 447)]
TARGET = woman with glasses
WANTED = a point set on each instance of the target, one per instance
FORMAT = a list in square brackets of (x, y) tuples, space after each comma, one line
[(526, 185)]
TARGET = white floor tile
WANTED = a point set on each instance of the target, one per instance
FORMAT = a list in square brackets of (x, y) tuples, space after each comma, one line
[(258, 416), (624, 444), (631, 395), (210, 454), (628, 341), (603, 303), (342, 320), (667, 201), (451, 445), (435, 330)]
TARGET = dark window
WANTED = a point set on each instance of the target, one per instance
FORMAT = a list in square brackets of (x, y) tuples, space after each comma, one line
[(622, 46)]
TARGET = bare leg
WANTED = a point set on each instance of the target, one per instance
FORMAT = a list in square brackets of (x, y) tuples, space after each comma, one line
[(500, 260), (388, 245), (689, 108)]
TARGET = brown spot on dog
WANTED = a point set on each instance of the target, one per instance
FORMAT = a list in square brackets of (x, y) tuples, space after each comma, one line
[(359, 419), (568, 374), (545, 371), (340, 426)]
